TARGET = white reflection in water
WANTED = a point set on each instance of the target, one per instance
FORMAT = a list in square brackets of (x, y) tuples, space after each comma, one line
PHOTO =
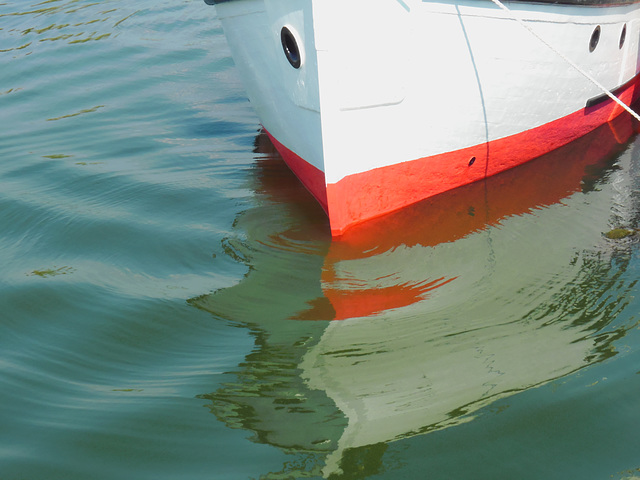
[(438, 311)]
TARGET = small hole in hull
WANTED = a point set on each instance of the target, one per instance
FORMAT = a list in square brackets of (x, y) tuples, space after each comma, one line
[(472, 161), (623, 36)]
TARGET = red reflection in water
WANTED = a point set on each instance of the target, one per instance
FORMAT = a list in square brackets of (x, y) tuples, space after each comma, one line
[(454, 215)]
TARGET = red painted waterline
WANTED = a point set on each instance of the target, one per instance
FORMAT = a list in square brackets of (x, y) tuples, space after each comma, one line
[(363, 196)]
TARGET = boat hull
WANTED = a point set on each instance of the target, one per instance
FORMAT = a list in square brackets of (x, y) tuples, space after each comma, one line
[(395, 102)]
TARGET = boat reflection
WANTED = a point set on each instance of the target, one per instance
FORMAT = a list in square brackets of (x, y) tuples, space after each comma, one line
[(445, 307)]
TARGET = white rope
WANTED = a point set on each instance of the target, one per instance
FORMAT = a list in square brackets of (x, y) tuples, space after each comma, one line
[(580, 70)]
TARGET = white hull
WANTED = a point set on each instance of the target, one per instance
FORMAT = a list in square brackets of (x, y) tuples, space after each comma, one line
[(400, 100)]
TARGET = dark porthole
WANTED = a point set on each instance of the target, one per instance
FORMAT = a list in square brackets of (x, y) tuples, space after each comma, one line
[(595, 38), (623, 36), (290, 47)]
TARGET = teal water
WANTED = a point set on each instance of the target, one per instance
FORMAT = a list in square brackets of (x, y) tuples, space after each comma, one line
[(171, 305)]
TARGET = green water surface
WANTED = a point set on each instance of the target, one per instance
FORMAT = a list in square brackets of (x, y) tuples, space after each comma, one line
[(172, 305)]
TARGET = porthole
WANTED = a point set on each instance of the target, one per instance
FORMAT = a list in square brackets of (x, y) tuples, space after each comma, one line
[(623, 36), (290, 47), (595, 38)]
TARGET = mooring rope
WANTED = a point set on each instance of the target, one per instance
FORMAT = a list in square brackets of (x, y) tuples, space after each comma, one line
[(605, 90)]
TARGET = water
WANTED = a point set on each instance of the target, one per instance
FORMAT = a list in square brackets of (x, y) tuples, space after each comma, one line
[(167, 286)]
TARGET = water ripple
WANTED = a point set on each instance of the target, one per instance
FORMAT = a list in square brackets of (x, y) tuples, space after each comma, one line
[(135, 186)]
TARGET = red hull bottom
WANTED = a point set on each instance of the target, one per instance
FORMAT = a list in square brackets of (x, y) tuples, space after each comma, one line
[(367, 195)]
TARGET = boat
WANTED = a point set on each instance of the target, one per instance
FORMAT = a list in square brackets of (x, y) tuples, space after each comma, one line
[(377, 105)]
